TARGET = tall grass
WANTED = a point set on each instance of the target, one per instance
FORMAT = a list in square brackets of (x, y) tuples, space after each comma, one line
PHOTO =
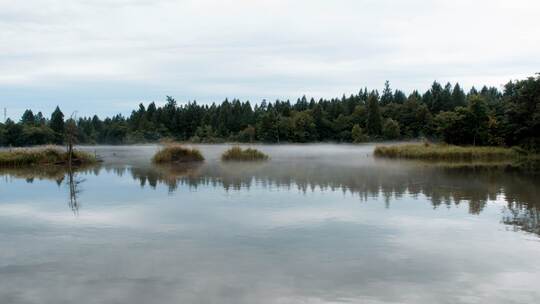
[(176, 153), (445, 152), (236, 153), (48, 155)]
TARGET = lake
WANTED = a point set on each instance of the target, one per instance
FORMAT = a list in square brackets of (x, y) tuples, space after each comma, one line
[(315, 224)]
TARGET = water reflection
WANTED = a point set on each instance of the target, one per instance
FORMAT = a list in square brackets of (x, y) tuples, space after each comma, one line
[(73, 183), (305, 227), (445, 186), (58, 174), (55, 173)]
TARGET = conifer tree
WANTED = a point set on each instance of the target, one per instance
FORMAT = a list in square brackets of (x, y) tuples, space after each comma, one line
[(458, 96), (57, 124), (387, 95), (374, 120), (28, 118)]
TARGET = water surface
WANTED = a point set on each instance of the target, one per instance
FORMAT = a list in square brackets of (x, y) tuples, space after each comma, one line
[(315, 224)]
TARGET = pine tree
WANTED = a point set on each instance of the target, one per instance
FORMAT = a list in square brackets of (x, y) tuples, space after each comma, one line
[(436, 103), (458, 96), (57, 124), (478, 119), (399, 97), (446, 98), (40, 119), (387, 95), (28, 118), (374, 120)]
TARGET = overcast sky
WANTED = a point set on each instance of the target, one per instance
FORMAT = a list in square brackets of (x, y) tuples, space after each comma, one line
[(106, 56)]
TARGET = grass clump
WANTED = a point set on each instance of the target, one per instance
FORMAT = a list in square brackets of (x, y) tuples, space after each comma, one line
[(445, 152), (175, 153), (238, 154), (49, 155)]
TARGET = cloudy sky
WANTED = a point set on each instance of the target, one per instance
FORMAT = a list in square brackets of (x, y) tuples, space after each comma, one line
[(106, 56)]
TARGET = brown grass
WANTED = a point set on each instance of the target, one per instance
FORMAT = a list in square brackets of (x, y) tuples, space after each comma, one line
[(445, 152), (47, 155), (176, 153), (236, 153)]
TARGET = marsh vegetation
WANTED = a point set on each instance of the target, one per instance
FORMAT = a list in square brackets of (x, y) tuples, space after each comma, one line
[(445, 152), (47, 155), (236, 153), (176, 153)]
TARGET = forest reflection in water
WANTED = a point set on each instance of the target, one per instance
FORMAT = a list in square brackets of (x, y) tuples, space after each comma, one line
[(70, 177), (442, 185)]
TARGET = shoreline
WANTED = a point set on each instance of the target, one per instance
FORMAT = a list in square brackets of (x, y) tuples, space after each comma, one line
[(43, 156)]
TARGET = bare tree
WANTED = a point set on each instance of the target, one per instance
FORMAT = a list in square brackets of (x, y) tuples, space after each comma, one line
[(70, 133)]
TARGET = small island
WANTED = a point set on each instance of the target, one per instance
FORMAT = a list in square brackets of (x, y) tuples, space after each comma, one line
[(176, 153), (236, 153), (43, 156), (444, 152)]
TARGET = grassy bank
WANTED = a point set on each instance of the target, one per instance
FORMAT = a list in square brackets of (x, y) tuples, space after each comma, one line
[(49, 155), (446, 152), (238, 154), (176, 153)]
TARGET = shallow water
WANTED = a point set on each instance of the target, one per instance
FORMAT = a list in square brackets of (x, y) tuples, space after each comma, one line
[(315, 224)]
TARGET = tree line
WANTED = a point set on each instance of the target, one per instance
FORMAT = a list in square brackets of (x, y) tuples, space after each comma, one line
[(488, 116)]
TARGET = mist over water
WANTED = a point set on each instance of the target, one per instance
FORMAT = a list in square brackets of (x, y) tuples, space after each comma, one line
[(314, 224)]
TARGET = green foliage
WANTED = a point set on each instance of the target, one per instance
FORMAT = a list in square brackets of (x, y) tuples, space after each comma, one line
[(246, 135), (391, 129), (268, 127), (57, 124), (478, 119), (414, 118), (2, 134), (236, 153), (28, 118), (13, 134), (450, 125), (485, 117), (175, 153), (374, 119), (205, 134), (303, 127), (387, 95), (465, 126), (521, 116), (458, 97), (33, 135), (358, 135)]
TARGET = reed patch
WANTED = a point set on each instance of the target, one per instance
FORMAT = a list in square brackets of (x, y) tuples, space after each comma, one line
[(176, 153), (442, 152), (47, 155), (236, 153)]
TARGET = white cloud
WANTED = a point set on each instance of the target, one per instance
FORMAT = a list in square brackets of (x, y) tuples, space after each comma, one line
[(82, 52)]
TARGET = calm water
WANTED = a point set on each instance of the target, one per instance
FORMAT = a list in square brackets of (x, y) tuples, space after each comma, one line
[(316, 224)]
